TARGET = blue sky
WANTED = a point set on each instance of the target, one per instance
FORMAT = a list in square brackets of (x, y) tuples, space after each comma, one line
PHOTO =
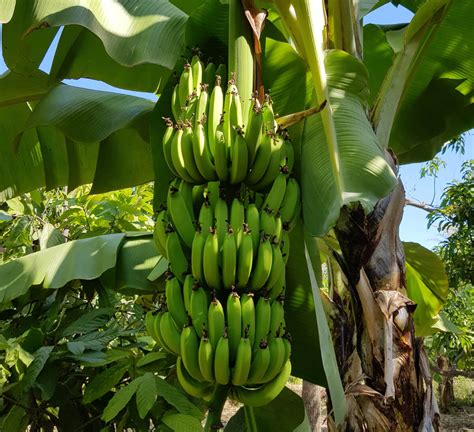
[(413, 227)]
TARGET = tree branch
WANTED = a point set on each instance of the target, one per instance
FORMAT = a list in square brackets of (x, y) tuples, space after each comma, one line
[(453, 372), (426, 207)]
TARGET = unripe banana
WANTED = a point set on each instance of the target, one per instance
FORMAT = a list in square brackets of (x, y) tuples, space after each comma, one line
[(202, 107), (220, 153), (221, 361), (275, 197), (211, 261), (245, 259), (190, 108), (159, 233), (274, 291), (206, 359), (278, 265), (190, 352), (221, 215), (248, 316), (234, 322), (237, 220), (198, 308), (277, 322), (157, 332), (209, 75), (262, 320), (178, 262), (253, 222), (197, 389), (229, 259), (263, 265), (290, 154), (188, 155), (216, 321), (278, 230), (287, 344), (150, 327), (197, 255), (188, 285), (285, 246), (185, 84), (275, 166), (268, 223), (212, 192), (267, 142), (243, 361), (176, 104), (288, 226), (236, 117), (183, 220), (175, 302), (202, 155), (197, 193), (260, 363), (198, 70), (290, 201), (269, 123), (216, 106), (186, 190), (206, 218), (253, 130), (277, 357), (222, 71), (167, 144), (177, 156), (239, 158), (228, 127), (265, 394), (170, 333)]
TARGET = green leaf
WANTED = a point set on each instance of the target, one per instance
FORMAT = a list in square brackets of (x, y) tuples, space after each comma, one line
[(182, 423), (146, 394), (88, 322), (50, 236), (6, 11), (16, 88), (133, 31), (427, 285), (120, 400), (54, 267), (41, 356), (103, 382), (16, 419), (363, 173), (151, 358), (286, 413), (444, 324), (177, 399)]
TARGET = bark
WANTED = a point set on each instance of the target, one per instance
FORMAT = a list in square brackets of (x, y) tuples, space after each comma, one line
[(385, 369), (312, 397), (446, 387)]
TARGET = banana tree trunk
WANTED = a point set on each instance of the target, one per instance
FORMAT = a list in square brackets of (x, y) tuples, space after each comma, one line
[(385, 370)]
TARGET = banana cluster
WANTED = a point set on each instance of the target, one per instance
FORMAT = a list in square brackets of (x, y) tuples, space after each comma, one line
[(241, 342), (224, 230), (211, 137)]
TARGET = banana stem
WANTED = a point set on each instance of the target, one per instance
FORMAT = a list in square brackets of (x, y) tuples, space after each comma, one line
[(250, 419), (213, 422)]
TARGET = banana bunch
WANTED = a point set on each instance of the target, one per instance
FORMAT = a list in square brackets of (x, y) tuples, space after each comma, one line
[(211, 137)]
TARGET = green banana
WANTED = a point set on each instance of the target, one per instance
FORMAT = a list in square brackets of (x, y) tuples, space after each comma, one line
[(278, 229), (277, 321), (176, 104), (188, 285), (229, 132), (188, 155), (245, 258), (274, 291), (211, 261), (216, 105), (265, 394), (159, 233), (248, 316), (268, 223), (175, 301), (253, 222), (287, 343), (239, 158), (222, 71), (290, 154), (278, 265), (269, 123), (253, 130), (221, 361), (277, 357), (206, 217), (190, 352), (183, 220), (167, 144), (197, 254), (221, 215), (229, 259), (185, 85), (234, 322), (290, 201), (176, 257), (202, 107), (177, 157), (194, 388), (275, 166), (212, 192), (150, 327), (198, 69), (263, 265), (170, 333), (206, 358), (243, 360), (262, 320), (275, 197), (216, 321), (237, 220), (157, 332), (260, 363), (285, 246), (266, 145), (202, 155), (209, 75), (235, 115), (220, 153), (288, 226), (198, 306)]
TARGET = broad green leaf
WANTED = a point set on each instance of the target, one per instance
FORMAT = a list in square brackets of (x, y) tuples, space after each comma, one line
[(34, 369), (286, 413), (103, 382), (6, 11), (50, 236), (133, 31), (16, 419), (427, 285), (120, 400), (444, 324), (151, 358), (54, 267), (88, 322), (146, 394), (363, 173), (177, 399), (16, 88), (182, 423), (81, 54)]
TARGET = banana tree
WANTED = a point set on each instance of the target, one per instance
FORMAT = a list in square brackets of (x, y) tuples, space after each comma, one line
[(358, 101)]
